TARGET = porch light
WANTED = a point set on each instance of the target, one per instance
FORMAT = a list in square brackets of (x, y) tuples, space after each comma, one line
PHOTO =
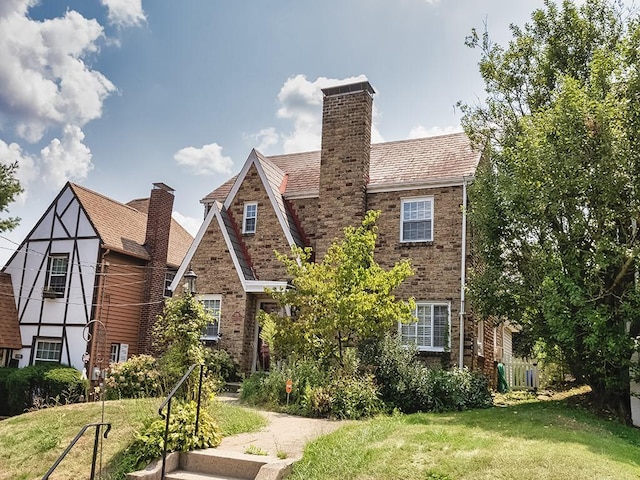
[(190, 277)]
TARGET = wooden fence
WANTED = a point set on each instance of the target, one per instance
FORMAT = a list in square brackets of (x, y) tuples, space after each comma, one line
[(522, 374)]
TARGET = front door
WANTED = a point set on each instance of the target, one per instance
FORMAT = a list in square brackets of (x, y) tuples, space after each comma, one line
[(261, 354)]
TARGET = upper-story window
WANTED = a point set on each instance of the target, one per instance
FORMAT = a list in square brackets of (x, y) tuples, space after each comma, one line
[(430, 332), (416, 220), (250, 218), (212, 304), (56, 281)]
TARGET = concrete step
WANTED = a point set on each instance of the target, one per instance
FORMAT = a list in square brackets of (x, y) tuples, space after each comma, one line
[(226, 463), (184, 475)]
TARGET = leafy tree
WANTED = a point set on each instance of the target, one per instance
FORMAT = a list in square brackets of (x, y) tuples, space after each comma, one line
[(556, 202), (9, 188), (344, 299), (177, 334)]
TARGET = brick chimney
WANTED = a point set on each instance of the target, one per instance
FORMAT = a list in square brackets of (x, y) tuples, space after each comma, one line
[(344, 160), (157, 244)]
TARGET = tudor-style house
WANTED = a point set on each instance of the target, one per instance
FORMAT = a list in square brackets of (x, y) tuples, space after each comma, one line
[(306, 199), (91, 276)]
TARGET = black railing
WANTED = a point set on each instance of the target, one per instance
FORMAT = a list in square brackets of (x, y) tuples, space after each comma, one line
[(167, 403), (75, 440)]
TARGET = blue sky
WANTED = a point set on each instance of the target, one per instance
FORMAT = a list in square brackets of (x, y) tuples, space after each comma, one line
[(118, 94)]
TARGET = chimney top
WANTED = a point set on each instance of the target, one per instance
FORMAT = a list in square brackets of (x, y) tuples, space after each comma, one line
[(163, 186), (349, 88)]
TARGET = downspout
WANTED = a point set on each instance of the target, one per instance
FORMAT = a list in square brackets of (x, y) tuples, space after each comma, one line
[(463, 269)]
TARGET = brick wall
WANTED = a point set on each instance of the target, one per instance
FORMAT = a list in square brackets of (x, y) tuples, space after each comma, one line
[(344, 161), (268, 236), (217, 275), (157, 244)]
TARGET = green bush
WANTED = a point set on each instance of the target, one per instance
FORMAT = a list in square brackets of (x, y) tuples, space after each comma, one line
[(4, 390), (410, 387), (39, 386), (220, 364), (138, 377), (149, 443), (354, 397)]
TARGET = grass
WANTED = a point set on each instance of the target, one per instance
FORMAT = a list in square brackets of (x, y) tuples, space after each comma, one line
[(30, 443), (525, 440)]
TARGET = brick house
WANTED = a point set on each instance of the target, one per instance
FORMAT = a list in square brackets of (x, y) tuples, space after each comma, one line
[(90, 262), (306, 199)]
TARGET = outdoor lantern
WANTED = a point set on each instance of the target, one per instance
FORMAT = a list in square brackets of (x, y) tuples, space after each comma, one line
[(190, 277)]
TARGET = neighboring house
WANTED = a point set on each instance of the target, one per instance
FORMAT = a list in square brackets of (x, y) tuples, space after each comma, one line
[(91, 277), (306, 199)]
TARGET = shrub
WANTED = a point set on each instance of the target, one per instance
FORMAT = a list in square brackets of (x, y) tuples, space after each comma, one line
[(221, 366), (355, 397), (148, 444), (409, 386), (41, 386), (138, 377)]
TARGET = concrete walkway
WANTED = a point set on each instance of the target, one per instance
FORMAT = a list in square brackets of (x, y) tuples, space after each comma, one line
[(284, 434)]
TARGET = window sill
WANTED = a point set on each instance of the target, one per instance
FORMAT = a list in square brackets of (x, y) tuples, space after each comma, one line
[(425, 243)]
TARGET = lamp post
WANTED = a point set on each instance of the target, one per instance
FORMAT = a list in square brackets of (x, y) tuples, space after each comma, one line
[(190, 277)]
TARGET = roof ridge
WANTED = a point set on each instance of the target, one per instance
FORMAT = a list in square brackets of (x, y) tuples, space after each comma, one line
[(407, 140), (98, 194)]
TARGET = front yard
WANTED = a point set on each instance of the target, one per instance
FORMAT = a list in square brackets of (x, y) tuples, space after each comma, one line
[(551, 440)]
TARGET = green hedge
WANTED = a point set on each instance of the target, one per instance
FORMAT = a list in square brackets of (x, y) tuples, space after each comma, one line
[(37, 386)]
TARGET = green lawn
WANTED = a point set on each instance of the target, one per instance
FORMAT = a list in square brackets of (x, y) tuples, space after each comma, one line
[(539, 440), (30, 443)]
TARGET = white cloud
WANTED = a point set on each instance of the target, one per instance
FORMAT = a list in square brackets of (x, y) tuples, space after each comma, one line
[(264, 139), (27, 168), (125, 13), (301, 102), (66, 159), (206, 160), (44, 80), (190, 224), (420, 131)]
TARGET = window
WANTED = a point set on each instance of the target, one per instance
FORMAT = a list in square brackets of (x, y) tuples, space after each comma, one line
[(56, 281), (211, 304), (119, 352), (168, 278), (416, 220), (250, 217), (480, 338), (48, 351), (431, 331)]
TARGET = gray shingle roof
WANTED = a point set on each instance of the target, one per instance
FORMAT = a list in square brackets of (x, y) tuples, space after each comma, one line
[(406, 161)]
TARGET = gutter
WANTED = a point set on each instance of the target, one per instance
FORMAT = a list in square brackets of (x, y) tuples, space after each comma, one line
[(463, 270)]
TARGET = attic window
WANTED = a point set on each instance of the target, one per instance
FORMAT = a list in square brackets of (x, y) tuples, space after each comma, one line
[(250, 217)]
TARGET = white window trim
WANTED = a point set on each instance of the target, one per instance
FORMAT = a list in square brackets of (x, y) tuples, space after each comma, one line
[(169, 275), (244, 218), (48, 340), (428, 198), (50, 275), (480, 338), (424, 348), (209, 296)]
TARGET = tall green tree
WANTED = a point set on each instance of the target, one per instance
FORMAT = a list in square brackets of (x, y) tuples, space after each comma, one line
[(346, 298), (9, 188), (556, 202)]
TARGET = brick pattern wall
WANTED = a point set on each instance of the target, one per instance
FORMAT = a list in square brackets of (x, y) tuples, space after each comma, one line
[(344, 165), (436, 263), (268, 236), (216, 275), (157, 244)]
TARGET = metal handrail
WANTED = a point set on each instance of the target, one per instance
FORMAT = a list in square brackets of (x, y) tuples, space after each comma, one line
[(75, 440), (167, 403)]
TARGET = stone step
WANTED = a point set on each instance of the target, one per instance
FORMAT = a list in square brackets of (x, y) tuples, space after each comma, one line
[(227, 463), (184, 475)]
